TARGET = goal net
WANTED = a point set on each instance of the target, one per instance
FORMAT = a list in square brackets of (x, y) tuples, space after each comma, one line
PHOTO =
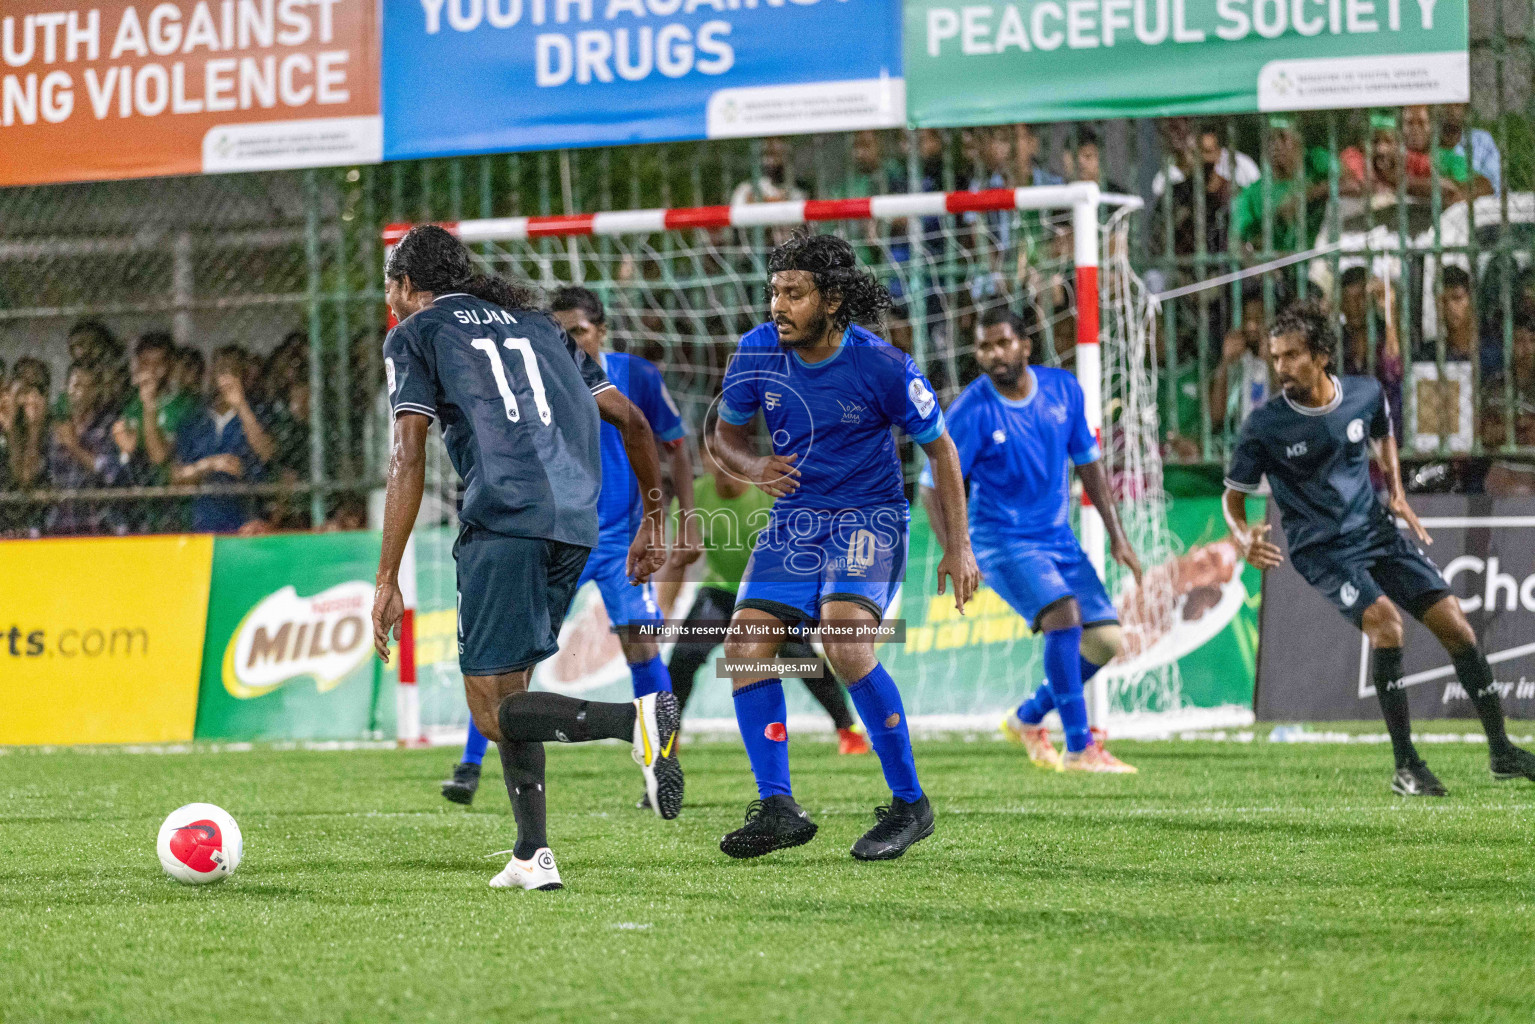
[(680, 288)]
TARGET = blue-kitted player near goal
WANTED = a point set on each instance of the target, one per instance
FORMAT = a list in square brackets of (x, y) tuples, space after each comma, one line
[(1314, 442), (1018, 429), (620, 512), (834, 550)]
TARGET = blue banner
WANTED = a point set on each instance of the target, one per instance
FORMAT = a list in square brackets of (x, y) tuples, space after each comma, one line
[(487, 76)]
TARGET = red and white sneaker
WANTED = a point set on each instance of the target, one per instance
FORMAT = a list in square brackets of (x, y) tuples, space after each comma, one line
[(852, 741), (1035, 740), (1095, 759)]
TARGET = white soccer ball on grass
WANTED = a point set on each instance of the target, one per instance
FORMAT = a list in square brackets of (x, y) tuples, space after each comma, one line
[(200, 843)]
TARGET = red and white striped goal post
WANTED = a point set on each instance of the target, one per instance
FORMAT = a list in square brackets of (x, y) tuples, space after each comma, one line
[(1082, 198)]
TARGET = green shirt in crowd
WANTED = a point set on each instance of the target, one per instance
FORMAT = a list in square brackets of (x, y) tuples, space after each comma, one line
[(161, 515), (1247, 211), (728, 528), (170, 413)]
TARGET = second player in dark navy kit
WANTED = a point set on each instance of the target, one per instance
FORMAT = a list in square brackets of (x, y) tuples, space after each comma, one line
[(1341, 538), (1315, 443)]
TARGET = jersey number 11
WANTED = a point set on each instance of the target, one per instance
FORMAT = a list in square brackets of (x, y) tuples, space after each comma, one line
[(529, 363)]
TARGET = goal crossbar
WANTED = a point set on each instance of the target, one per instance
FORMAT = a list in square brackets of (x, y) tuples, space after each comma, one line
[(775, 214), (1083, 199)]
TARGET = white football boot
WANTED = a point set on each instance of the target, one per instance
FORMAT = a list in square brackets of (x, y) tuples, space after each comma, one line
[(656, 719), (537, 872)]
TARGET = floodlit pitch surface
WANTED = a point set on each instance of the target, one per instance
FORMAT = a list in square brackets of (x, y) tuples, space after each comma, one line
[(1232, 882)]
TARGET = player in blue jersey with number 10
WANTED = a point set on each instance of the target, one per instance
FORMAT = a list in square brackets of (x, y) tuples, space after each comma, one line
[(834, 550), (1018, 429)]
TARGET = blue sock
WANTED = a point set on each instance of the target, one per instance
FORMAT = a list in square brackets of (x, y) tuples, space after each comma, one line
[(879, 705), (761, 714), (1063, 668), (1034, 710), (650, 676), (474, 746)]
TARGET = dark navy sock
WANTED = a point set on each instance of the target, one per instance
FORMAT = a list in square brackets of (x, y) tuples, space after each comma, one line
[(1063, 668), (522, 768), (1475, 675), (762, 714), (649, 676), (1393, 704), (879, 705), (474, 746), (540, 716), (1088, 669), (1034, 710)]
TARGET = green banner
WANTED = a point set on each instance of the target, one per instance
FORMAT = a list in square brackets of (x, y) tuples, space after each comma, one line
[(289, 649), (967, 665), (988, 659), (1060, 60)]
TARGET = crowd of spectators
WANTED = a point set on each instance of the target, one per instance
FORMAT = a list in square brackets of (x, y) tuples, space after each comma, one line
[(1437, 330), (230, 432), (155, 415), (1213, 208)]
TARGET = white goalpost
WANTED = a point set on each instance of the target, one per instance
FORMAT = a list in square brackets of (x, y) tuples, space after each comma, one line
[(681, 286)]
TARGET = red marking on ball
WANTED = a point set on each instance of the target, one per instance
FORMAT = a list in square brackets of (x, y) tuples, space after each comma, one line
[(776, 732), (195, 844)]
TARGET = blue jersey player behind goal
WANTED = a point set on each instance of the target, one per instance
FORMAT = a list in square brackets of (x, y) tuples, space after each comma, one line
[(834, 549), (1018, 429), (620, 512), (1315, 442)]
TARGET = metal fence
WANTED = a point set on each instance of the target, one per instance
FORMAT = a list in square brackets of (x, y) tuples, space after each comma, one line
[(1364, 211)]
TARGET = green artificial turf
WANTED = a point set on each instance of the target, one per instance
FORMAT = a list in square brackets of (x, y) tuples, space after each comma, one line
[(1243, 882)]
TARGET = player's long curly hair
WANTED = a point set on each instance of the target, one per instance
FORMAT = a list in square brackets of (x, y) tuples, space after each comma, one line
[(1311, 322), (834, 266), (437, 262)]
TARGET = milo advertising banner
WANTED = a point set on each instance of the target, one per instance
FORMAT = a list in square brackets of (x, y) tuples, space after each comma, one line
[(953, 670), (289, 650)]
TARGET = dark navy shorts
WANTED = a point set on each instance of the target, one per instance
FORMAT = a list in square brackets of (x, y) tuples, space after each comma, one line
[(1387, 563), (513, 593)]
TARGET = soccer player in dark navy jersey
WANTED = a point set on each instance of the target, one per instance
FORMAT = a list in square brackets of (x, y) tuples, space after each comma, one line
[(1314, 442), (620, 512), (519, 404), (834, 549)]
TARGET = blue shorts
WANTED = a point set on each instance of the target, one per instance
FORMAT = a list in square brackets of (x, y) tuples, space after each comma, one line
[(626, 604), (806, 557), (1032, 577), (1383, 562)]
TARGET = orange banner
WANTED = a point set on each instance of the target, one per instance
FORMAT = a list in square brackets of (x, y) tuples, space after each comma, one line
[(124, 90)]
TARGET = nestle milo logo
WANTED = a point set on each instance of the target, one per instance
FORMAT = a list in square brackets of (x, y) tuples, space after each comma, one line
[(286, 637)]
